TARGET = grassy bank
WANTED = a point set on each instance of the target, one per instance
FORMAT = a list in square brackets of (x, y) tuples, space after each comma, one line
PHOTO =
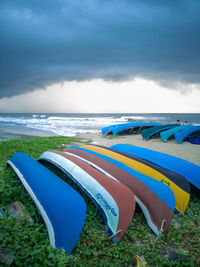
[(24, 240)]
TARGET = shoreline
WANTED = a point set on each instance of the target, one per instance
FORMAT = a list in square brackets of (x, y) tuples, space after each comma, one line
[(8, 134), (186, 150)]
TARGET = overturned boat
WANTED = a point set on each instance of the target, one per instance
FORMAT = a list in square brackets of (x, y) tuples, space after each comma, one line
[(127, 128), (178, 183), (187, 169), (182, 197), (154, 198), (115, 201), (193, 130), (165, 135), (61, 207), (132, 127), (148, 133)]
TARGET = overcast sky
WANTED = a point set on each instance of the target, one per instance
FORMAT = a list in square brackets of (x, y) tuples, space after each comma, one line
[(100, 56)]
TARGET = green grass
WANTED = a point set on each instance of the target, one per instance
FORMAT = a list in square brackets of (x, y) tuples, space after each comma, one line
[(29, 244)]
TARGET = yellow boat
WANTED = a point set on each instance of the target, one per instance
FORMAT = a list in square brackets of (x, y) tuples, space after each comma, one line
[(181, 196)]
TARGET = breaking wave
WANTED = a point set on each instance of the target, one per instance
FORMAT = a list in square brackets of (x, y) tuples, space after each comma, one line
[(76, 124)]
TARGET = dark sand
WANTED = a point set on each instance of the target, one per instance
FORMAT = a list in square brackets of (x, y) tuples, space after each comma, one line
[(7, 134)]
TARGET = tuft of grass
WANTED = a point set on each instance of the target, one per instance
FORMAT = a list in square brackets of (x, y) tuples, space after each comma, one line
[(26, 242)]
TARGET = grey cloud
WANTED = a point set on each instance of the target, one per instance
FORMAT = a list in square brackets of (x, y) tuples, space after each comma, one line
[(43, 42)]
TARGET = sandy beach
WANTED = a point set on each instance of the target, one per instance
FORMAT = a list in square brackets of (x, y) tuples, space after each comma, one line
[(6, 134), (186, 150)]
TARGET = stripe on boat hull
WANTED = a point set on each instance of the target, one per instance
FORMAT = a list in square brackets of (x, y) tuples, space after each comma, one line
[(110, 196), (145, 197)]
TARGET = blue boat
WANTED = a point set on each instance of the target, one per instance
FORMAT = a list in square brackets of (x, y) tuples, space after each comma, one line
[(182, 196), (187, 169), (115, 201), (108, 129), (180, 136), (176, 182), (194, 140), (147, 133), (132, 126), (165, 135), (62, 208), (165, 203)]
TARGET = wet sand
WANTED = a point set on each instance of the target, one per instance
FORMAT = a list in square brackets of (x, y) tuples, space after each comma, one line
[(7, 134)]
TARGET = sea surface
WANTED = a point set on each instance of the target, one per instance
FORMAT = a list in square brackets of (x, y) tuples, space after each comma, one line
[(67, 124)]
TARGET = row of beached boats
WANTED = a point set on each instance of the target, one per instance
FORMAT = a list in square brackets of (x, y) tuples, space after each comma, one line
[(115, 178), (187, 132)]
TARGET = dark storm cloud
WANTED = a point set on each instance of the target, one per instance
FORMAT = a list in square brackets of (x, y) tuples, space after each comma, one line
[(42, 42)]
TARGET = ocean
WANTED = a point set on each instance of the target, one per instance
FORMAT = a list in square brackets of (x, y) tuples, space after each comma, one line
[(53, 124)]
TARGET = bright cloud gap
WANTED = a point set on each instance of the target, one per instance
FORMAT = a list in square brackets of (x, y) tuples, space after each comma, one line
[(99, 96)]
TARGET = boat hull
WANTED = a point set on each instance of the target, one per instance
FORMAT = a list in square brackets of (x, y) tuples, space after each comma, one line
[(165, 135), (115, 201), (132, 127), (182, 197), (62, 208), (180, 136), (148, 133), (185, 168), (148, 192)]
